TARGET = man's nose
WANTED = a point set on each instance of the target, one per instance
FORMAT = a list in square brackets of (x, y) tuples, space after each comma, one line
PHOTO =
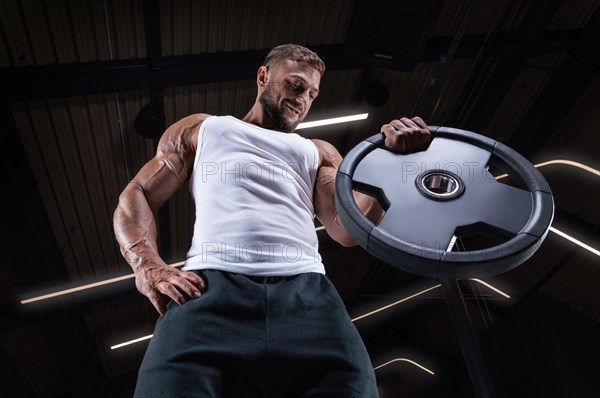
[(304, 97)]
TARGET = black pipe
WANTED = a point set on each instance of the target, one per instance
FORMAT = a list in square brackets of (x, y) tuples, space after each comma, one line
[(482, 383)]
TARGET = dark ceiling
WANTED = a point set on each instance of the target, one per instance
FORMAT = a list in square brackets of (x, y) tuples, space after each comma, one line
[(75, 73)]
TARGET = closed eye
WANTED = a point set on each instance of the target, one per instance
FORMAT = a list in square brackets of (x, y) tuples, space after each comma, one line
[(300, 88)]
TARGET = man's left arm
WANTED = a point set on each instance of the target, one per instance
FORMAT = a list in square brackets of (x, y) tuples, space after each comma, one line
[(401, 136)]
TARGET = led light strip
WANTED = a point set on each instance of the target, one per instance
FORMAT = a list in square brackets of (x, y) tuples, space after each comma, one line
[(500, 292), (495, 289), (570, 163), (404, 360), (578, 165), (358, 318), (335, 120), (114, 347), (577, 242), (88, 286)]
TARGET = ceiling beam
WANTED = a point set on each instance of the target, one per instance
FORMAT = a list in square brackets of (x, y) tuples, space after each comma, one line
[(90, 78), (152, 19), (561, 92), (508, 68), (66, 80), (153, 35)]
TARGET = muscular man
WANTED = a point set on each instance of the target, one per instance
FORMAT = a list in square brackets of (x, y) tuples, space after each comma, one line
[(252, 311)]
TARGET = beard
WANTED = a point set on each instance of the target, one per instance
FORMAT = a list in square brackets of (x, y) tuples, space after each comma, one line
[(275, 112)]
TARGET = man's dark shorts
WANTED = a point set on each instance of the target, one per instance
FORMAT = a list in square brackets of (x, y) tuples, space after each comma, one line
[(257, 337)]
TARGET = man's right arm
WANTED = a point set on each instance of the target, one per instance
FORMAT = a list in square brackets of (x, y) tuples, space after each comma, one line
[(134, 223)]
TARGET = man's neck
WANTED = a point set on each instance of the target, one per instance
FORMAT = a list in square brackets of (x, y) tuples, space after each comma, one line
[(258, 117)]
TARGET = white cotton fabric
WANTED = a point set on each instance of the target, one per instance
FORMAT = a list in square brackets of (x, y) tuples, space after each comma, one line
[(253, 191)]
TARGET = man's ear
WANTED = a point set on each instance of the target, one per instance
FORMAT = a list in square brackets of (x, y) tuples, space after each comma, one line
[(262, 77)]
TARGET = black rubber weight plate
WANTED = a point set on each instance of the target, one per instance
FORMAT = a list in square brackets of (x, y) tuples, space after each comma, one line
[(416, 230)]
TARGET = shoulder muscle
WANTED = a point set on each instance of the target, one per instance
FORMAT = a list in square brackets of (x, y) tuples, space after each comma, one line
[(328, 154), (180, 140)]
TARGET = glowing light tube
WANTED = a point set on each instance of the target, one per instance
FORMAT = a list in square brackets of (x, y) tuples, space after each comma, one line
[(335, 120), (404, 360)]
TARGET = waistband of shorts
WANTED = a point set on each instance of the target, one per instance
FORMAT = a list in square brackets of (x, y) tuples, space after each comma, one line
[(259, 279)]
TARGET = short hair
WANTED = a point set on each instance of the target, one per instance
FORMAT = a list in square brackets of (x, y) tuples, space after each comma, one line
[(294, 52)]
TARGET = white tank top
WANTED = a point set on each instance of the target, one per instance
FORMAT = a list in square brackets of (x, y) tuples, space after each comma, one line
[(253, 191)]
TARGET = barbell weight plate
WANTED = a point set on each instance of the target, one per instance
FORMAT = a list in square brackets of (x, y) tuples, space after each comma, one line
[(419, 224), (429, 222)]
